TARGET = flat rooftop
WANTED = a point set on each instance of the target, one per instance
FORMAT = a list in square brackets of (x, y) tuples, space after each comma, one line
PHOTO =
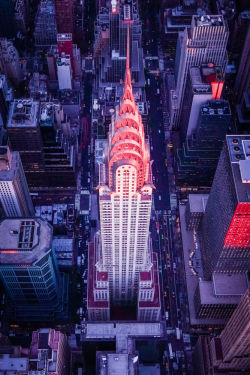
[(208, 20), (24, 241), (12, 365), (239, 150), (110, 330), (208, 297), (117, 364), (232, 285), (198, 202), (23, 113)]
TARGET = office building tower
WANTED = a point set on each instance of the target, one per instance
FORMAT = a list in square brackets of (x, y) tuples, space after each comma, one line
[(7, 16), (24, 133), (21, 15), (239, 33), (226, 223), (9, 61), (64, 16), (243, 113), (242, 82), (111, 30), (228, 352), (4, 94), (125, 200), (197, 160), (29, 271), (45, 24), (205, 42), (14, 192), (64, 72), (203, 83), (235, 337), (175, 20), (218, 298), (49, 352)]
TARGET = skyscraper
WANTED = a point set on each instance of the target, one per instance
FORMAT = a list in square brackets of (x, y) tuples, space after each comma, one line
[(64, 16), (204, 42), (229, 352), (235, 337), (45, 24), (125, 200), (29, 271), (242, 82), (7, 16), (226, 222), (197, 159), (24, 133), (14, 192)]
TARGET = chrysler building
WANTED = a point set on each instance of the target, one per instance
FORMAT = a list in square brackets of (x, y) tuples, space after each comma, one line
[(124, 266)]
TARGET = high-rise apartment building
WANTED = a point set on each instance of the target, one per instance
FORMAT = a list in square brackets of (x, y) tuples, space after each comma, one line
[(64, 16), (29, 271), (14, 192), (226, 223), (125, 200), (205, 42)]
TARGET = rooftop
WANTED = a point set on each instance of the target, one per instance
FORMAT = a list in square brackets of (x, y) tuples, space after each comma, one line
[(239, 150), (110, 330), (198, 202), (10, 365), (47, 113), (23, 113), (117, 364), (24, 241), (230, 285), (208, 297), (216, 108), (208, 20)]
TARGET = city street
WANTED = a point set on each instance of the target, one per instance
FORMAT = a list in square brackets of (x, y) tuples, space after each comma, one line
[(165, 229)]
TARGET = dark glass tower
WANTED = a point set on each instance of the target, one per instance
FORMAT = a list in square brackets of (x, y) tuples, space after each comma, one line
[(198, 158), (7, 19), (226, 222)]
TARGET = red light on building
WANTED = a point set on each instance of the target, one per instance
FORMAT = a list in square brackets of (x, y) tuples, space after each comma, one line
[(238, 234), (9, 251), (217, 89)]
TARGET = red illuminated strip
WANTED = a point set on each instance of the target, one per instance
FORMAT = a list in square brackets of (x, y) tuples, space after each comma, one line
[(238, 234), (9, 251), (217, 89)]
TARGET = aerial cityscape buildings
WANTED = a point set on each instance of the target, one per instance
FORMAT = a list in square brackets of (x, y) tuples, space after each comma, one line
[(124, 187)]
